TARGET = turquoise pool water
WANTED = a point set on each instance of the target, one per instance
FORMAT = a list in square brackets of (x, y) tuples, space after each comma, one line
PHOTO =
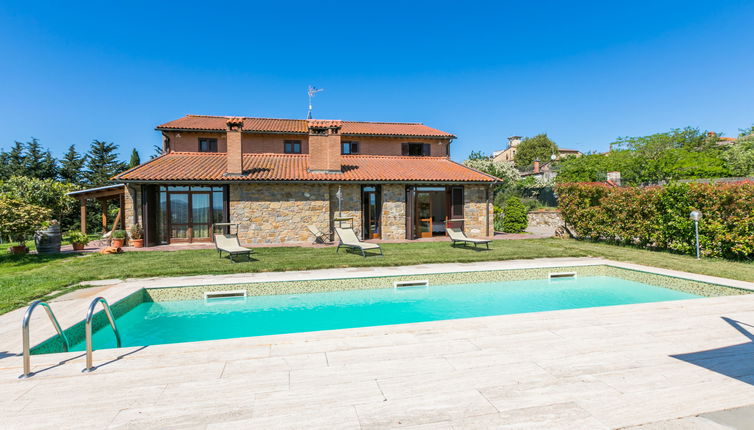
[(153, 323)]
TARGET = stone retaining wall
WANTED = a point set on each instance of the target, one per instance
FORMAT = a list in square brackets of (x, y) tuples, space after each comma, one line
[(545, 219)]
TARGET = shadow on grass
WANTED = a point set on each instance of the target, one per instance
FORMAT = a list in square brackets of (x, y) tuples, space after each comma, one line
[(21, 260), (733, 361)]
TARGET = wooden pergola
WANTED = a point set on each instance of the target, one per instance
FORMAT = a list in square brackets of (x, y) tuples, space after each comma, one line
[(104, 195)]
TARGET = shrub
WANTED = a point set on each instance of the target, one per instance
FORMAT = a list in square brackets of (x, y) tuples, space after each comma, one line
[(515, 216), (658, 217), (497, 222), (19, 220), (119, 234)]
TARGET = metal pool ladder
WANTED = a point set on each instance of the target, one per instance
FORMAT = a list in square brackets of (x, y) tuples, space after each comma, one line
[(25, 333), (88, 329)]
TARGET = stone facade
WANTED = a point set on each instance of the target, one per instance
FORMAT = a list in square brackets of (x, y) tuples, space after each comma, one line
[(277, 213), (393, 219), (280, 213), (131, 206), (476, 209), (351, 207)]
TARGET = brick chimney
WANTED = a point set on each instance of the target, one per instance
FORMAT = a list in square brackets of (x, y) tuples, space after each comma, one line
[(324, 146), (536, 165), (234, 154)]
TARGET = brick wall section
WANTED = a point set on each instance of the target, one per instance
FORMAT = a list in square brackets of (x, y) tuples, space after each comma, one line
[(393, 211), (324, 153), (475, 211), (351, 206), (278, 213)]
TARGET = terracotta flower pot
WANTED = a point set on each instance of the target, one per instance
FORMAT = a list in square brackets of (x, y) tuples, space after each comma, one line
[(19, 250), (137, 243), (117, 243), (78, 246)]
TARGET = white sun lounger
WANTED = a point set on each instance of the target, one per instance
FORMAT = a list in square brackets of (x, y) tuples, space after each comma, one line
[(457, 236), (319, 237), (229, 243), (348, 239)]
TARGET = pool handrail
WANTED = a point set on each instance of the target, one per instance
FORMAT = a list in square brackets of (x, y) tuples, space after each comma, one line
[(25, 333), (88, 329)]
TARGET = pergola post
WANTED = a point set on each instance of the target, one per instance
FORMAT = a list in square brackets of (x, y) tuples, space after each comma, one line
[(82, 202), (103, 206)]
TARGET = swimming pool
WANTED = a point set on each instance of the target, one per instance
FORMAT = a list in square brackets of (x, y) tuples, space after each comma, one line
[(150, 322)]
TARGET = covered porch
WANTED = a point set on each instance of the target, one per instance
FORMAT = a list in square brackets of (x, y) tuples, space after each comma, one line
[(105, 196)]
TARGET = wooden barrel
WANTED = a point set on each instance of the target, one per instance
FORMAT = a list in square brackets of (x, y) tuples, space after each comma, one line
[(48, 240)]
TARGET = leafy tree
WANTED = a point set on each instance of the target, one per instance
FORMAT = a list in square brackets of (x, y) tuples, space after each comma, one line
[(515, 217), (19, 220), (500, 169), (102, 163), (71, 165), (135, 159), (47, 193), (531, 148)]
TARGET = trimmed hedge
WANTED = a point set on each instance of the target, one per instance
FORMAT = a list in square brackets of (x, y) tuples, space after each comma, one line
[(658, 217)]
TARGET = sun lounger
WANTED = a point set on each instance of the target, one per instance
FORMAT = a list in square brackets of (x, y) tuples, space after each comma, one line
[(229, 243), (319, 237), (348, 239), (457, 236)]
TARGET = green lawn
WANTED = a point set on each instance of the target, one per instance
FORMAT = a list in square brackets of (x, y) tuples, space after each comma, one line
[(24, 278)]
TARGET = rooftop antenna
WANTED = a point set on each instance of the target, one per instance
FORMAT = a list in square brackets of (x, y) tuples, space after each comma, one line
[(312, 91)]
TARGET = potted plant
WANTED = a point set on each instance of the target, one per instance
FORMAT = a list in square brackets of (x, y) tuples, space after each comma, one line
[(137, 236), (19, 220), (118, 239), (78, 240)]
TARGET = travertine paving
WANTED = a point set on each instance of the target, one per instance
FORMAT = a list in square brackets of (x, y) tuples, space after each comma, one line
[(597, 368)]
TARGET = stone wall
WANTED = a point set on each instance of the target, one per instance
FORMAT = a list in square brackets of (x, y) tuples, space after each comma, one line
[(351, 206), (545, 219), (278, 213), (393, 220), (131, 205), (475, 210)]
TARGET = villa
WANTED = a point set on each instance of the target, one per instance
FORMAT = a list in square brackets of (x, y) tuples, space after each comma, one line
[(274, 177)]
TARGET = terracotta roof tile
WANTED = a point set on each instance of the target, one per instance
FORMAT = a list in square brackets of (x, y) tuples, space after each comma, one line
[(274, 125), (199, 166)]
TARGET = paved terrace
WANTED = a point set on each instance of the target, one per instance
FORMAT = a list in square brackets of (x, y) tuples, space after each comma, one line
[(597, 368)]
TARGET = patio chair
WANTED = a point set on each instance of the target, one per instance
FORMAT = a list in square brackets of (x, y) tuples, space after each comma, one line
[(229, 243), (348, 239), (319, 237), (457, 236)]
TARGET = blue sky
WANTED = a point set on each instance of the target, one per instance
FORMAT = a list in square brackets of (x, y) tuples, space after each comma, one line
[(584, 72)]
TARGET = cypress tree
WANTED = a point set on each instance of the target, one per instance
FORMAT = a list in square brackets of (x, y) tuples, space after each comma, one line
[(135, 159)]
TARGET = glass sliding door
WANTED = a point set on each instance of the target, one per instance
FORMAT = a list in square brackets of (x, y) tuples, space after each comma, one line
[(187, 214), (371, 209), (179, 217), (200, 216)]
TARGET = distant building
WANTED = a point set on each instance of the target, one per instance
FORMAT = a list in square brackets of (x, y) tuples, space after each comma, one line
[(509, 153)]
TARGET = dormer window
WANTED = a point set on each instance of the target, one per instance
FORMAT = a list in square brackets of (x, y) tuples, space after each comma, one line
[(349, 147), (207, 145)]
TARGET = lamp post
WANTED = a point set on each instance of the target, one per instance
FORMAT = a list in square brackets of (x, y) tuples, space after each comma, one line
[(696, 216)]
